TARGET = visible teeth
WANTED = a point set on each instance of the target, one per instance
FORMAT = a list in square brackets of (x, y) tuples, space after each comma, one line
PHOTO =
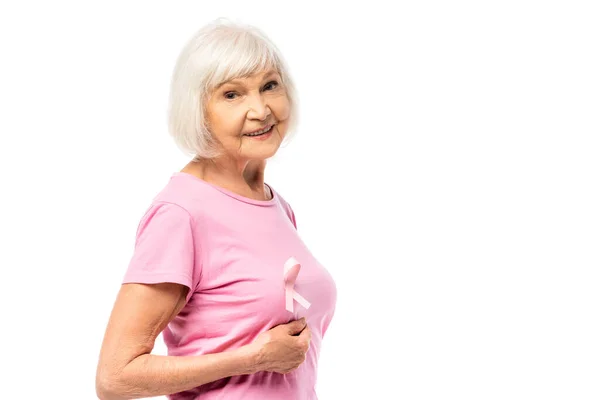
[(259, 132)]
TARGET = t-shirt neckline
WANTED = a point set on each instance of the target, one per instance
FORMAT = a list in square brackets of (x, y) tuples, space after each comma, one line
[(230, 193)]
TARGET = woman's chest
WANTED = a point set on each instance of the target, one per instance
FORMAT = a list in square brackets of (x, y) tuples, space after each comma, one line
[(269, 276)]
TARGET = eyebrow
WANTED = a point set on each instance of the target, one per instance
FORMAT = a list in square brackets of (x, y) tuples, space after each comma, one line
[(233, 81)]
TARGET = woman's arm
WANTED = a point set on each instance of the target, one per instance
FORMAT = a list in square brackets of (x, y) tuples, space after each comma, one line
[(127, 370)]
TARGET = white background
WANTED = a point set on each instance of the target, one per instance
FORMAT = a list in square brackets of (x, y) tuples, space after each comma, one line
[(446, 172)]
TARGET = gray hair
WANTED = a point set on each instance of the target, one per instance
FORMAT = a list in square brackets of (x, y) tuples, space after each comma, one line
[(220, 51)]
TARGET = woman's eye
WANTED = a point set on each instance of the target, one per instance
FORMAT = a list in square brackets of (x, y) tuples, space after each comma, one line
[(230, 95), (271, 85)]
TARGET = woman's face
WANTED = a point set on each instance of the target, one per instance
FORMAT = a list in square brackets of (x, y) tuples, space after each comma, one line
[(244, 105)]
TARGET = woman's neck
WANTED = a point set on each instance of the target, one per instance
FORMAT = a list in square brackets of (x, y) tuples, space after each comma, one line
[(244, 178)]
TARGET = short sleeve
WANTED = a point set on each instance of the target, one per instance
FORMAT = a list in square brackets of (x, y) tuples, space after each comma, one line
[(164, 248)]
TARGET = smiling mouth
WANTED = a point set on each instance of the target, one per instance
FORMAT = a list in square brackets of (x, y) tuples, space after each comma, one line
[(261, 132)]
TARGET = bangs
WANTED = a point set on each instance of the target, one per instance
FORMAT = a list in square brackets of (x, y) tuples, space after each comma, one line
[(240, 55)]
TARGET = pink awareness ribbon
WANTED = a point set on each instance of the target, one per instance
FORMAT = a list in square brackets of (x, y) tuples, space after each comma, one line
[(291, 269)]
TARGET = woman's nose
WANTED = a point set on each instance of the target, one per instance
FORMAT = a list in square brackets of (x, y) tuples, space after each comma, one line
[(258, 109)]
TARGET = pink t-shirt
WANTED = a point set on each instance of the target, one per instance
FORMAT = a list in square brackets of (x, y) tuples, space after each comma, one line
[(230, 251)]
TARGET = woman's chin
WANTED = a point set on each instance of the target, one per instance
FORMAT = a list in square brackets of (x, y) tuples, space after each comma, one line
[(261, 150), (262, 154)]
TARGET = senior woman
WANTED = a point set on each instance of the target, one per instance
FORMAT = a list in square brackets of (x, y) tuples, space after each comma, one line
[(218, 266)]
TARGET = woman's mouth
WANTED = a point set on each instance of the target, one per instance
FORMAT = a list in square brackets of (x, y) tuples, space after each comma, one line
[(261, 134)]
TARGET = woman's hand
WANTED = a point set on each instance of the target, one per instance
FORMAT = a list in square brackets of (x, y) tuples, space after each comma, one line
[(283, 348)]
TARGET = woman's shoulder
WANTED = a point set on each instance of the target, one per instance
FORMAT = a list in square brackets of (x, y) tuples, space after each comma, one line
[(287, 208), (178, 196)]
